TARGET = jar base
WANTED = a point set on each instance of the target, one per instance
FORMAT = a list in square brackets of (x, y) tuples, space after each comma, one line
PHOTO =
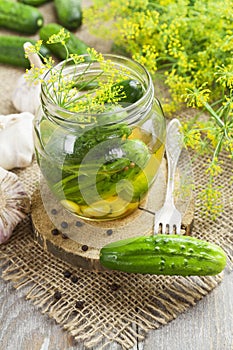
[(79, 241)]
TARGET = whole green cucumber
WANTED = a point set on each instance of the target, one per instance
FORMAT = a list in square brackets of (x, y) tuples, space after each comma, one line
[(128, 90), (12, 51), (34, 2), (131, 89), (20, 17), (74, 44), (164, 255), (69, 13)]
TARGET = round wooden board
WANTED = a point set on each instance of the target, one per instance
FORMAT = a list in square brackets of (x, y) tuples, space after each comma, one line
[(79, 241)]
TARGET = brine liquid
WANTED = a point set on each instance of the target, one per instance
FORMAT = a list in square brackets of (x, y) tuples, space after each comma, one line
[(102, 195)]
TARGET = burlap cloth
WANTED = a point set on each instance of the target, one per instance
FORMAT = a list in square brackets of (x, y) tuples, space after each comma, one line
[(100, 308)]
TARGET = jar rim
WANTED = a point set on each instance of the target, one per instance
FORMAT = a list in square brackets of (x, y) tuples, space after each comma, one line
[(149, 92)]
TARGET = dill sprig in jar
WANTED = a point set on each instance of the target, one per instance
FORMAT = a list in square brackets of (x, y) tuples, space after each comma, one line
[(100, 135)]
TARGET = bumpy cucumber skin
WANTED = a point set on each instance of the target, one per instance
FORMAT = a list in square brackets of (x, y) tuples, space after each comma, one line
[(34, 2), (132, 90), (12, 51), (69, 13), (20, 17), (164, 255), (74, 44)]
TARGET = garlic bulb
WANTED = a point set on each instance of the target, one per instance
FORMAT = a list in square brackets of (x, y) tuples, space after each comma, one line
[(26, 95), (14, 203), (16, 140)]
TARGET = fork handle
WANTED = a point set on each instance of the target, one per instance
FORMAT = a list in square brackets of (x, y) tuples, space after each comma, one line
[(173, 146)]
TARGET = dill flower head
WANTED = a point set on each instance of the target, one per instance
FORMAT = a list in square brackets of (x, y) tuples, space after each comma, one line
[(61, 37), (78, 92), (209, 201)]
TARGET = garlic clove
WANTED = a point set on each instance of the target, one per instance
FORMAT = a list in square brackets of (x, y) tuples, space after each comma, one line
[(14, 203), (26, 95), (16, 140), (32, 56)]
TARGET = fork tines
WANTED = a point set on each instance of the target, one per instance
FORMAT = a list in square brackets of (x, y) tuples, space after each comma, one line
[(167, 230)]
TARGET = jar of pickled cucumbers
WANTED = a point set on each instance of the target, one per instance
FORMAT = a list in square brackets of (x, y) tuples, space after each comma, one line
[(99, 135)]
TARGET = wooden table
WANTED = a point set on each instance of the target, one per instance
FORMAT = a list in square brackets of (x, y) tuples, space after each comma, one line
[(206, 326)]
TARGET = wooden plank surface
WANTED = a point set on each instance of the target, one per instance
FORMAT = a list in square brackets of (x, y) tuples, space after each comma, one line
[(206, 326)]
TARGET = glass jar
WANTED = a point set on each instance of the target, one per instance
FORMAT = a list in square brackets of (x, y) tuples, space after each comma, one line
[(100, 165)]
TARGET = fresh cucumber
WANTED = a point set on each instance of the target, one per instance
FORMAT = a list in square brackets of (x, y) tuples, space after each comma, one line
[(20, 17), (12, 51), (131, 89), (164, 255), (74, 44), (69, 13), (128, 91), (34, 2)]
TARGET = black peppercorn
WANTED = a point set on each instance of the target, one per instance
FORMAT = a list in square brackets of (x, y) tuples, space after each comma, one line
[(54, 211), (67, 274), (109, 232), (84, 247), (79, 304), (74, 279), (79, 224), (57, 295), (55, 232)]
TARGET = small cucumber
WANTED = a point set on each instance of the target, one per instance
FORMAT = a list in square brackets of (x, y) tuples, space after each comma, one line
[(131, 89), (20, 17), (34, 2), (164, 255), (74, 44), (12, 51), (69, 13)]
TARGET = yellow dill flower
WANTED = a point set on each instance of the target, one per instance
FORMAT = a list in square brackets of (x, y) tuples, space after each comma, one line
[(212, 135), (178, 85), (35, 74), (228, 145), (165, 2), (139, 4), (214, 167), (147, 57), (95, 55), (210, 201), (33, 48), (130, 30), (198, 96), (38, 45), (225, 75), (48, 62), (77, 58), (61, 37), (192, 136), (169, 108)]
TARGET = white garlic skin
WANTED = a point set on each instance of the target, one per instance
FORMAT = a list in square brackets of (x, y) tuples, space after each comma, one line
[(14, 203), (16, 140), (26, 96)]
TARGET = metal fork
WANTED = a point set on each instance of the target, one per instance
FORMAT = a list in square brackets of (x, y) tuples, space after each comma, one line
[(168, 218)]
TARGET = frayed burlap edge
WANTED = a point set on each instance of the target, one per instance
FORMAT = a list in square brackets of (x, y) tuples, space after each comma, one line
[(101, 308)]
